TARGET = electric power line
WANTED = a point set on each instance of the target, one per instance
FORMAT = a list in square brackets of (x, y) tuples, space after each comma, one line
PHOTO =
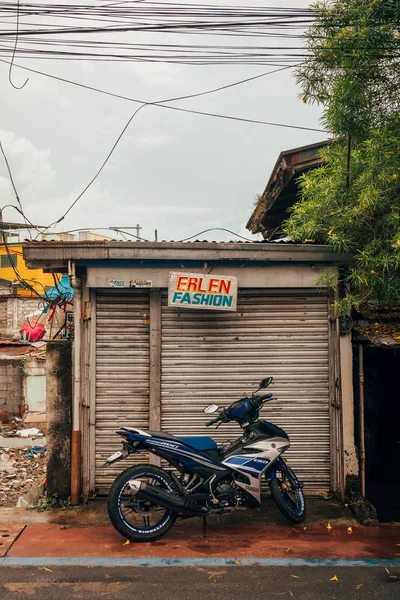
[(161, 103), (13, 55)]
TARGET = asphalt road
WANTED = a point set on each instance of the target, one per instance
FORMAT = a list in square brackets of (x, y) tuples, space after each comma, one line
[(181, 583)]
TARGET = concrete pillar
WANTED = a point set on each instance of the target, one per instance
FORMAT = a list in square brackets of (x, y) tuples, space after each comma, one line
[(59, 417), (346, 367)]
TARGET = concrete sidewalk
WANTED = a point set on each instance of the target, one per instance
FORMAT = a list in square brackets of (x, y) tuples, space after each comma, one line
[(84, 534), (50, 540)]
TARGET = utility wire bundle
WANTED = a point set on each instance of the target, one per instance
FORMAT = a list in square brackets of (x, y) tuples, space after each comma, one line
[(129, 31)]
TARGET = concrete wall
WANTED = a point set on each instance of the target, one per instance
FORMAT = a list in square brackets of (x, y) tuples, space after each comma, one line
[(59, 418), (13, 311), (3, 316), (10, 386), (12, 314), (15, 388), (34, 385), (346, 367)]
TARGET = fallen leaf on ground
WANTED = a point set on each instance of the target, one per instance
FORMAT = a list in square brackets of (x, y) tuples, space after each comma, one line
[(359, 585), (387, 570), (287, 549), (349, 530), (291, 593), (46, 569), (329, 527), (126, 543), (237, 562), (295, 576), (334, 578)]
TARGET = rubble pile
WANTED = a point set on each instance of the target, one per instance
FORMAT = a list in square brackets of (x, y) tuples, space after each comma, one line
[(21, 470), (22, 462), (13, 425), (17, 428)]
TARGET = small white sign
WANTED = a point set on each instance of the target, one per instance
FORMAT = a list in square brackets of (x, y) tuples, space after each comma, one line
[(140, 283), (196, 290), (116, 283)]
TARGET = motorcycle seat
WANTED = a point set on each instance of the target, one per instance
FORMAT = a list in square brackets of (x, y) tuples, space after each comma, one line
[(198, 442), (164, 435)]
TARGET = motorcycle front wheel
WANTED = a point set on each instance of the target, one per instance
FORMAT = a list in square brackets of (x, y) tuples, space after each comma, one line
[(288, 494), (139, 520)]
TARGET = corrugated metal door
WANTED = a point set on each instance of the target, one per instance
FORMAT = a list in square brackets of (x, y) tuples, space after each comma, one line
[(122, 374), (218, 357)]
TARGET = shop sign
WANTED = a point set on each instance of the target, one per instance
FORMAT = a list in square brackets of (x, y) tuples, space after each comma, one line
[(194, 290)]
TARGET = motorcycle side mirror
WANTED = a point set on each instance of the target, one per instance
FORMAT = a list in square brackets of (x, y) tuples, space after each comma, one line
[(265, 382), (211, 408)]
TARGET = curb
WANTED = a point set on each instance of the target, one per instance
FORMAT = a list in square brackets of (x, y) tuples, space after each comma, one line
[(96, 561)]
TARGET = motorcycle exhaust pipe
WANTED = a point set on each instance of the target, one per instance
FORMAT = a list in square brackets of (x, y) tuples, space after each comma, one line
[(157, 495)]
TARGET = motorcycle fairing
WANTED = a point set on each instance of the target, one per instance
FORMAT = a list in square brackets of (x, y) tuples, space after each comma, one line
[(253, 464)]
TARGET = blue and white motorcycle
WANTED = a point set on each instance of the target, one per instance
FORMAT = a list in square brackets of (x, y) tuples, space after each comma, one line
[(205, 479)]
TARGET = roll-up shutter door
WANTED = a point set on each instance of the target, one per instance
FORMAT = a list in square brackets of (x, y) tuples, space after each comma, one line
[(218, 357), (122, 375)]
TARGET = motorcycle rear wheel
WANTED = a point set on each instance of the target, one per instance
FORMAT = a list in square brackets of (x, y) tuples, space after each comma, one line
[(131, 517), (287, 494)]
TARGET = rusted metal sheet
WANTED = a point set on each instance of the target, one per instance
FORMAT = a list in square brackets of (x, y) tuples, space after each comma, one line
[(122, 375), (213, 357)]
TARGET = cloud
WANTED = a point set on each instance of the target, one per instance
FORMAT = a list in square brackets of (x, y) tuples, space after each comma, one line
[(31, 168), (151, 139)]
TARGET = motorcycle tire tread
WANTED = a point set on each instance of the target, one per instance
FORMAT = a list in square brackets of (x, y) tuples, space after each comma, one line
[(112, 504)]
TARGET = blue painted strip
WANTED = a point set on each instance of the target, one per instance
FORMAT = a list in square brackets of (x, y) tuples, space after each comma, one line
[(103, 561)]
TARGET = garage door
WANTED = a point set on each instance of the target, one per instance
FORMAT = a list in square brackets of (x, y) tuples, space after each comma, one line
[(218, 357), (122, 374)]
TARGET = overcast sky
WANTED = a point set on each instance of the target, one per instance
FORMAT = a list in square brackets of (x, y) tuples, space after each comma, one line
[(174, 172)]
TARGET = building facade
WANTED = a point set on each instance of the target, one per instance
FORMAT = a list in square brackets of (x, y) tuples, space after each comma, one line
[(140, 361)]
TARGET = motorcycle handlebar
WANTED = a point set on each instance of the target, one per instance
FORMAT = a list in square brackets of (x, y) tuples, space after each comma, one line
[(261, 399), (213, 421)]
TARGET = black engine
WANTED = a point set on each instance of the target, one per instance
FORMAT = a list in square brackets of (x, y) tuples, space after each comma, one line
[(226, 495)]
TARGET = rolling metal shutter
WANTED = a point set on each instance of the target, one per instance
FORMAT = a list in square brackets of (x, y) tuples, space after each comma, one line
[(122, 375), (218, 357)]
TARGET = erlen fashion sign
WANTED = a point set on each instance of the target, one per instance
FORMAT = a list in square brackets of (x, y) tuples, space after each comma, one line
[(194, 290)]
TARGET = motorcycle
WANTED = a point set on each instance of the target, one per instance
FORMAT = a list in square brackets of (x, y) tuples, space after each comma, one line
[(144, 501)]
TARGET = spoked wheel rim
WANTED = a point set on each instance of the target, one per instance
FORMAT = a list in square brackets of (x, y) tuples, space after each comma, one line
[(142, 516), (291, 493)]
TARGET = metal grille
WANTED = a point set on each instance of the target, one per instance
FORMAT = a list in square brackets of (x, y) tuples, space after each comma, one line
[(218, 357), (122, 375)]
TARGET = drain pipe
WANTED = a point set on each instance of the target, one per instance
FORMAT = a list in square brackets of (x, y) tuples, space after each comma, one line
[(76, 390), (361, 417)]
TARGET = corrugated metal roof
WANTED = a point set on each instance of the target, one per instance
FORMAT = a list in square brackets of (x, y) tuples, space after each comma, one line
[(10, 350), (281, 191)]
